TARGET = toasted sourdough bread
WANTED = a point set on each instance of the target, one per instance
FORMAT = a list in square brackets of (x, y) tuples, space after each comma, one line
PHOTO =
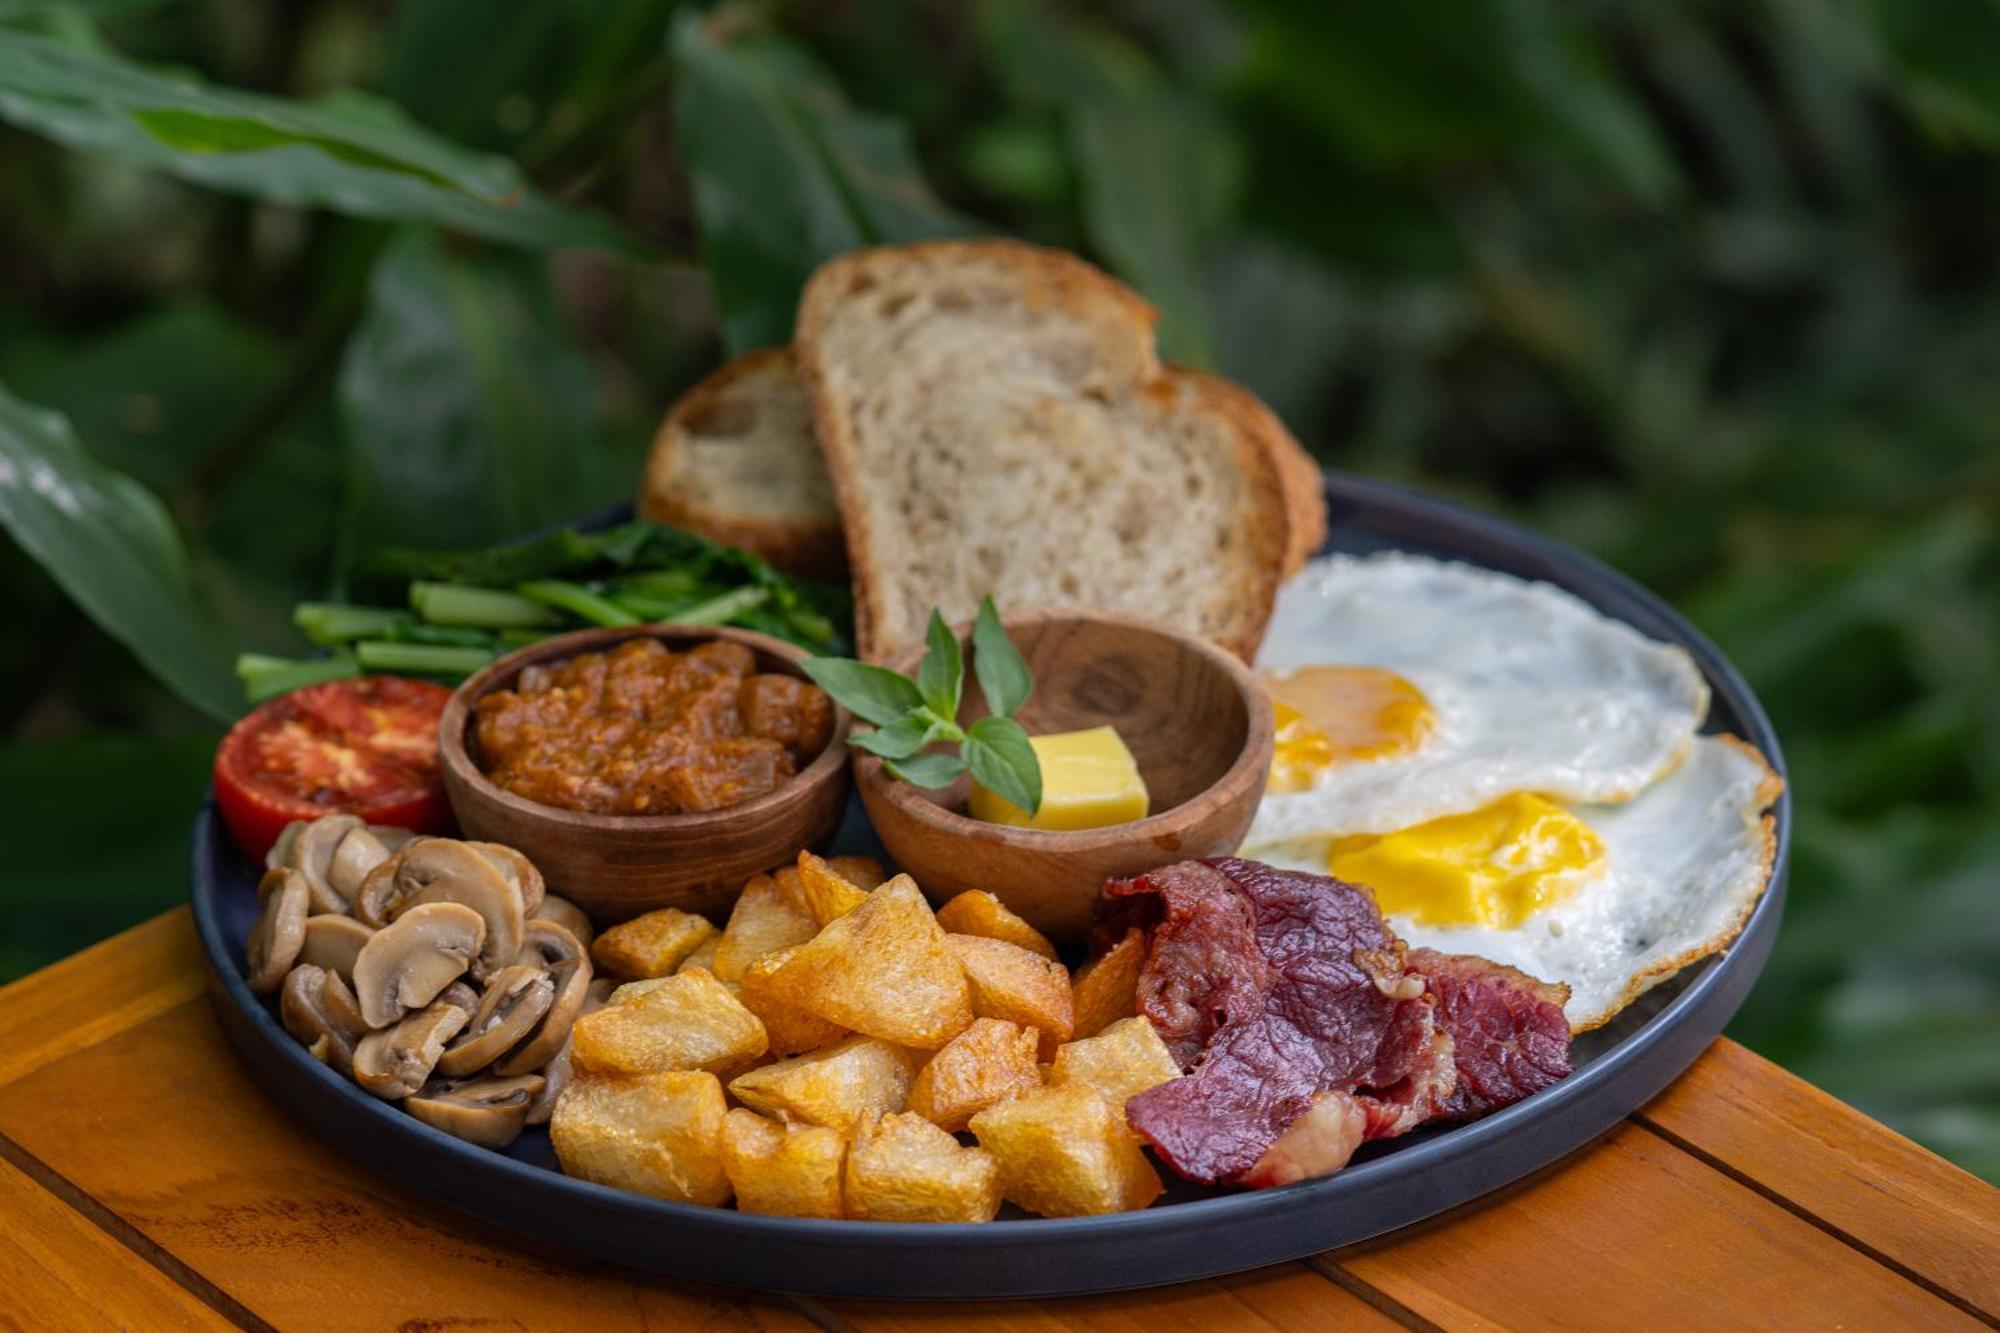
[(735, 461), (995, 420)]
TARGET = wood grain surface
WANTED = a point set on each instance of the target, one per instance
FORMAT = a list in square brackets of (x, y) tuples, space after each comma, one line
[(146, 1182)]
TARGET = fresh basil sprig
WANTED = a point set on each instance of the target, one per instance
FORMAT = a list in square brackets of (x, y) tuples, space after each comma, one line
[(911, 716)]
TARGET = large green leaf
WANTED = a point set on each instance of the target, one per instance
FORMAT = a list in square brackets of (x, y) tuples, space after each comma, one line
[(1946, 54), (786, 175), (350, 153), (469, 416), (109, 543)]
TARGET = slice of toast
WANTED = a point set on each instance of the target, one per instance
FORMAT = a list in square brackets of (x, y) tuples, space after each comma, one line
[(735, 461), (995, 420)]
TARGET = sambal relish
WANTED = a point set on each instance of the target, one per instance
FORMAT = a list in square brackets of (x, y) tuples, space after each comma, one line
[(643, 730)]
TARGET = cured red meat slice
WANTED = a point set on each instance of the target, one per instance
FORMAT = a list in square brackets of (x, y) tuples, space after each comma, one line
[(1509, 1036)]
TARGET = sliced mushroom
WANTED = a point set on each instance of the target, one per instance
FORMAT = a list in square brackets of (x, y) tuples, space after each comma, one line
[(516, 869), (312, 856), (515, 1000), (333, 942), (392, 836), (406, 963), (439, 870), (379, 896), (460, 994), (321, 1022), (341, 1005), (544, 943), (486, 1111), (280, 931), (398, 1060), (556, 1072), (567, 915), (569, 981), (281, 850), (358, 853)]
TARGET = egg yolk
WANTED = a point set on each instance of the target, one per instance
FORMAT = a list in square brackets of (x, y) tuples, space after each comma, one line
[(1327, 715), (1496, 866)]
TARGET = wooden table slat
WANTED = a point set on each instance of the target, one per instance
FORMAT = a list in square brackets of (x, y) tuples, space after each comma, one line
[(99, 993)]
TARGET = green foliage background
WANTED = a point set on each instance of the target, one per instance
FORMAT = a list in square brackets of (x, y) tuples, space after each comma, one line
[(1706, 286)]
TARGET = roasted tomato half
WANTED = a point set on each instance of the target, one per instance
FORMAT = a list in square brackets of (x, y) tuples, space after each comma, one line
[(364, 747)]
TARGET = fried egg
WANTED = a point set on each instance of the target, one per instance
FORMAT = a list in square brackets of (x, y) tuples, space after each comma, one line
[(1407, 689), (1607, 900)]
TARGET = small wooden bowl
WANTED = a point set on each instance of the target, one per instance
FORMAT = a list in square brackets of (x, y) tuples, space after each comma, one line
[(1193, 716), (617, 866)]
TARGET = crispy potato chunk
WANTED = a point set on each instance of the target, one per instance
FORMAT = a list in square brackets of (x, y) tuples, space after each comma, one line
[(1011, 983), (824, 892), (988, 1062), (837, 1087), (977, 912), (703, 957), (1126, 1058), (1107, 987), (652, 945), (791, 1029), (884, 969), (786, 1170), (902, 1168), (764, 920), (687, 1021), (1064, 1152), (657, 1134)]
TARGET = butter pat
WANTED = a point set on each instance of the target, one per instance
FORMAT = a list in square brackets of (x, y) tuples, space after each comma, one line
[(1089, 780)]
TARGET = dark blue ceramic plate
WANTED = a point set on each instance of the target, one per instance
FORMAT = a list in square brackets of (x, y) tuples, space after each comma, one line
[(1192, 1233)]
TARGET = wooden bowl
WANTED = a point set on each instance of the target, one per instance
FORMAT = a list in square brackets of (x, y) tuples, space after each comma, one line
[(1193, 716), (617, 866)]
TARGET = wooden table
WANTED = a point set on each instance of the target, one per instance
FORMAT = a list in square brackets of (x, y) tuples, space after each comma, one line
[(145, 1182)]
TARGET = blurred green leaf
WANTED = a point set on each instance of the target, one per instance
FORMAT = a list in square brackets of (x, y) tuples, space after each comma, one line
[(350, 153), (785, 175), (1948, 54), (109, 543)]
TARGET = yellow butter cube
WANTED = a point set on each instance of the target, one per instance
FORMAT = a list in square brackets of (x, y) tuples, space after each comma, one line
[(1089, 780)]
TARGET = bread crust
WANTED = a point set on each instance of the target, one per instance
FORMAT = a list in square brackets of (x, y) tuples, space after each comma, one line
[(1305, 491)]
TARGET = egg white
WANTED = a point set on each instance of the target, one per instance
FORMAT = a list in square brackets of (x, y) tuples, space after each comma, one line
[(1533, 691), (1684, 864)]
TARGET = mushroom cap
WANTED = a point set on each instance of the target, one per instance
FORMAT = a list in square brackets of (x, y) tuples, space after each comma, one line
[(461, 994), (557, 1073), (280, 852), (333, 942), (516, 869), (280, 931), (378, 896), (312, 854), (357, 854), (486, 1111), (515, 1000), (545, 943), (303, 1008), (567, 915), (394, 837), (405, 964), (442, 870), (569, 981), (396, 1061)]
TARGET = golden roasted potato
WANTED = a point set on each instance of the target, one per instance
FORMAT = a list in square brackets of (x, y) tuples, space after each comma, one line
[(1126, 1058), (1011, 983), (1064, 1152), (902, 1168), (884, 969), (703, 957), (988, 1062), (824, 892), (686, 1021), (790, 1028), (1107, 987), (836, 1087), (652, 945), (657, 1134), (977, 912), (764, 920), (787, 1170)]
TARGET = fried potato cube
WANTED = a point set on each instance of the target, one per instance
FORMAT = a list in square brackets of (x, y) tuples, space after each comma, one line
[(1064, 1152), (652, 945), (977, 912), (1107, 987), (1126, 1058), (837, 1087), (790, 1028), (902, 1168), (824, 892), (1011, 983), (884, 969), (764, 920), (686, 1021), (657, 1134), (703, 957), (988, 1062), (786, 1170)]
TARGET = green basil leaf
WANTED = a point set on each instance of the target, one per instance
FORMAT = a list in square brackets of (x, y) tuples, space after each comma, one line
[(900, 739), (1003, 675), (941, 675), (1004, 762), (875, 694), (926, 770)]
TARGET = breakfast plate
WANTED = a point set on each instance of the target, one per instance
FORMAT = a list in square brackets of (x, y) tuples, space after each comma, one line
[(1193, 1232)]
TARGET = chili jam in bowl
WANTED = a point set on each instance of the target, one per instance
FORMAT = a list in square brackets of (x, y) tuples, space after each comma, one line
[(659, 766)]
